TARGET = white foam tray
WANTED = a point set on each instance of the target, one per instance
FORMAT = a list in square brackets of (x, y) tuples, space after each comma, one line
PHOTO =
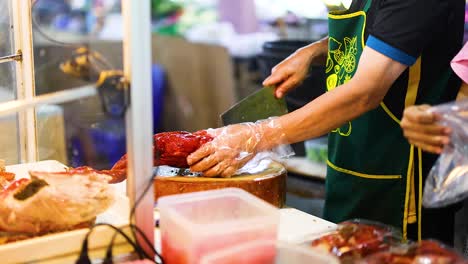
[(64, 243)]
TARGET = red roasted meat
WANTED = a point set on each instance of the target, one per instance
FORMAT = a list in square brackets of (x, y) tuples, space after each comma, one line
[(169, 148)]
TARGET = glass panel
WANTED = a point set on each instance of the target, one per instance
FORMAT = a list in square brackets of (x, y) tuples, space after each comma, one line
[(74, 42), (6, 28), (9, 150), (66, 31), (7, 81), (80, 134)]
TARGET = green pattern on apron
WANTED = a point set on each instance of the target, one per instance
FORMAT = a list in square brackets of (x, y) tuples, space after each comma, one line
[(368, 157)]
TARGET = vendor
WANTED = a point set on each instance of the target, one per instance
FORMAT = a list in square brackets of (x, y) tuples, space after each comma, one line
[(381, 56)]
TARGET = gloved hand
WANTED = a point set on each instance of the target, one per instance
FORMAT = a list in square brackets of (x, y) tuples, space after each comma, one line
[(233, 146)]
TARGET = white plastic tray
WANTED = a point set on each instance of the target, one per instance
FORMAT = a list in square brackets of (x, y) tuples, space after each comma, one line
[(296, 227), (64, 243)]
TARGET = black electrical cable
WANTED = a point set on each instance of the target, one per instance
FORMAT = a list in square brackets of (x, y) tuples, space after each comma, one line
[(108, 259), (132, 213), (84, 256), (133, 228)]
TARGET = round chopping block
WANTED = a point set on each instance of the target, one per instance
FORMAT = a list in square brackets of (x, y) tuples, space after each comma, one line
[(269, 185)]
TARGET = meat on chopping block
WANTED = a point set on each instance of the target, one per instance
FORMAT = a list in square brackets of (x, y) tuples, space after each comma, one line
[(169, 148)]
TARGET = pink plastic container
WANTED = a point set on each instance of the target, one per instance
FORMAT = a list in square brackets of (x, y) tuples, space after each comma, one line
[(197, 224)]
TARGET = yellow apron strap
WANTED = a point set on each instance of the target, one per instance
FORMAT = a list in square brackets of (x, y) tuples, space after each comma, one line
[(420, 194), (407, 193), (412, 217)]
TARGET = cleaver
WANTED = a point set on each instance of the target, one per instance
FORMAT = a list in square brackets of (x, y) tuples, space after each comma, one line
[(261, 104)]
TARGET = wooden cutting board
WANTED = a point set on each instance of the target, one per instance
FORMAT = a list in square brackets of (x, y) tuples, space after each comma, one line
[(269, 185)]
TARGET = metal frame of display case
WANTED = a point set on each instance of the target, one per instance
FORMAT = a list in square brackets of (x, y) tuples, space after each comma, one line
[(137, 59), (25, 85), (137, 66)]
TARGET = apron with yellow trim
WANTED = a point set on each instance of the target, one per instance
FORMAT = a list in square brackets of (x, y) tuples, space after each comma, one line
[(368, 157)]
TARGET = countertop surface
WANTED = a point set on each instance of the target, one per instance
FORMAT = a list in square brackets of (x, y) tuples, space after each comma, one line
[(304, 167)]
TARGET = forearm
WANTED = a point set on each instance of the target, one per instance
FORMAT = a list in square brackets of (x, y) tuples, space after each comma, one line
[(364, 92), (326, 113)]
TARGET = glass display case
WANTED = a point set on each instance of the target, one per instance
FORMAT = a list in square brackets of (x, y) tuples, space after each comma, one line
[(66, 102)]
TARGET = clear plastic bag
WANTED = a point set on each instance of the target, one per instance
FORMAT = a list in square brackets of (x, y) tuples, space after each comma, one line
[(262, 160), (447, 182)]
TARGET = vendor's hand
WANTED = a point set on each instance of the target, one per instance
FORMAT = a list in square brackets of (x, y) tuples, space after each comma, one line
[(290, 73), (420, 128), (232, 147)]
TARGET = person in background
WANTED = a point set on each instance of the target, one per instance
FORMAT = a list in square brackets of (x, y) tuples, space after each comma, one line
[(381, 57), (420, 126)]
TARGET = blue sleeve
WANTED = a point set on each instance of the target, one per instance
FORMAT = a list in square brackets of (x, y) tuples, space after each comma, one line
[(402, 29), (390, 51)]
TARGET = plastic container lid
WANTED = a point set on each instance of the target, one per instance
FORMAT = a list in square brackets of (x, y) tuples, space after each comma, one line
[(196, 224), (268, 252)]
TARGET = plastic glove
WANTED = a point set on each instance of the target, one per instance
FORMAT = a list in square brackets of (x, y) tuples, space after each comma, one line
[(233, 146), (420, 128)]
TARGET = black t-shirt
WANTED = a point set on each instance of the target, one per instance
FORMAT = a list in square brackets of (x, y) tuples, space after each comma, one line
[(414, 26), (405, 30)]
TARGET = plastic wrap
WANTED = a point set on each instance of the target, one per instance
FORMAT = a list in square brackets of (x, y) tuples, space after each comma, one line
[(356, 239), (241, 148), (424, 252), (447, 182)]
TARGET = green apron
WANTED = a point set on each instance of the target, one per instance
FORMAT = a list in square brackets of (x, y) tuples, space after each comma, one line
[(367, 174)]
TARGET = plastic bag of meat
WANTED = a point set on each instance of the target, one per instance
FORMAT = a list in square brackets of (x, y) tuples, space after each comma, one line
[(424, 252), (356, 239), (447, 182), (54, 201)]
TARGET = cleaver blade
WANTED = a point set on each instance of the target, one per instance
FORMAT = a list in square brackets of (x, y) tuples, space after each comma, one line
[(261, 104), (168, 171)]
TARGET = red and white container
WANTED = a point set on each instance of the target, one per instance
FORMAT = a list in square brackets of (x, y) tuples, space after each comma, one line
[(195, 225)]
